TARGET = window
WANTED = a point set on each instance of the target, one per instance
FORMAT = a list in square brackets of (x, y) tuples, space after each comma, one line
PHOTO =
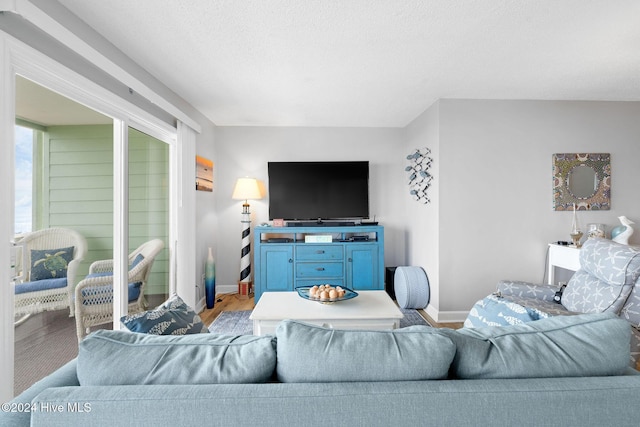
[(24, 179)]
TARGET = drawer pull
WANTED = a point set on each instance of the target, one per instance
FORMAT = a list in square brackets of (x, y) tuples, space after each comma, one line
[(290, 261), (319, 268), (319, 251)]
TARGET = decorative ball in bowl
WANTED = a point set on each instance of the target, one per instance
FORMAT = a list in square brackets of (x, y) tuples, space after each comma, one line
[(326, 294)]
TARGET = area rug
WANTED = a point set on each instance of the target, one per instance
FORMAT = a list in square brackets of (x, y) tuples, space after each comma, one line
[(238, 323)]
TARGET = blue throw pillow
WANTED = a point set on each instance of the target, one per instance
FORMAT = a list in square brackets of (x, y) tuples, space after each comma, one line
[(50, 263), (173, 317)]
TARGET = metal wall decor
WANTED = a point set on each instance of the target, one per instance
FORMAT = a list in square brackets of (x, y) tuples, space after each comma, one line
[(419, 176), (583, 179)]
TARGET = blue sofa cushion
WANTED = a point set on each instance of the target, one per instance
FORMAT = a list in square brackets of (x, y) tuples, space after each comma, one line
[(173, 317), (122, 358), (41, 285), (560, 346), (50, 263), (308, 353)]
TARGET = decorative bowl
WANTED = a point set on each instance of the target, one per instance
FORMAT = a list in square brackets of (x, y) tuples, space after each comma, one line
[(303, 291)]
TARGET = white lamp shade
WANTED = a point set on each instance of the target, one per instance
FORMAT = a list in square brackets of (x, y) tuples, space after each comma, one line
[(245, 189)]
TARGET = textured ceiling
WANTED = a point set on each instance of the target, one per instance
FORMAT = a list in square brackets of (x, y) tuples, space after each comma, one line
[(372, 62)]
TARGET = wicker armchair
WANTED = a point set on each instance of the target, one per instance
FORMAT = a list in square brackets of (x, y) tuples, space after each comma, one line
[(34, 294), (94, 294)]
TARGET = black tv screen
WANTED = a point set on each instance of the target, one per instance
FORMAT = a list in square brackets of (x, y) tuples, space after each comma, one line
[(318, 190)]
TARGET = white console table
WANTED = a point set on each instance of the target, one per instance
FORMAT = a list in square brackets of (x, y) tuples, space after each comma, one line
[(567, 257)]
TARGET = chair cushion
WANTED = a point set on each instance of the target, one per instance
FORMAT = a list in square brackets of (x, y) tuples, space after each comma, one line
[(586, 293), (50, 263), (308, 353), (137, 260), (611, 262), (631, 309), (608, 271), (41, 285), (103, 294), (173, 317), (122, 358), (560, 346)]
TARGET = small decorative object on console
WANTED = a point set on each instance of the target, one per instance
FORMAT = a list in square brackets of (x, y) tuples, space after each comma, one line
[(596, 230), (576, 233), (621, 233)]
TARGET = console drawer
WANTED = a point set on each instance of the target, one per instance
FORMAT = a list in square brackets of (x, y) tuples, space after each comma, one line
[(319, 269), (310, 252)]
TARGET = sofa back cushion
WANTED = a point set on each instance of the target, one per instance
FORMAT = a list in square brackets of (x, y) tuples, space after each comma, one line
[(560, 346), (123, 358), (608, 271), (308, 353)]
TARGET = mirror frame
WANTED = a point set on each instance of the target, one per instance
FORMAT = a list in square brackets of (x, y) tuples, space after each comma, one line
[(564, 163)]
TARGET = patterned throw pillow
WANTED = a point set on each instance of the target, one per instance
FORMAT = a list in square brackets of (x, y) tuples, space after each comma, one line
[(173, 317), (50, 263)]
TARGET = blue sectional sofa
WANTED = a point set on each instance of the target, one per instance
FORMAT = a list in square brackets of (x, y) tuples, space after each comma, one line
[(564, 370)]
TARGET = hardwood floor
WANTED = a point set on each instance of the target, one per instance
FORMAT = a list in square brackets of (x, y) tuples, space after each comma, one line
[(226, 302), (231, 302)]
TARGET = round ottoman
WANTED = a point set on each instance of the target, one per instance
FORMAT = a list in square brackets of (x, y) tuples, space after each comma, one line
[(412, 287)]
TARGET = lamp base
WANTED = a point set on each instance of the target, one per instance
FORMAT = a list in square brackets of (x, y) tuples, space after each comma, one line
[(245, 289)]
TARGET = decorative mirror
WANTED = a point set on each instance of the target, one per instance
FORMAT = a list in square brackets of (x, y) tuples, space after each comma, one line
[(583, 179)]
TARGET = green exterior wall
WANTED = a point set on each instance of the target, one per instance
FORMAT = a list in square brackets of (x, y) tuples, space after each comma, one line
[(75, 190)]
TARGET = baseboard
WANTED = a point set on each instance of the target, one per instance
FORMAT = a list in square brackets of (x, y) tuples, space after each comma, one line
[(446, 316), (220, 289), (226, 289), (201, 305)]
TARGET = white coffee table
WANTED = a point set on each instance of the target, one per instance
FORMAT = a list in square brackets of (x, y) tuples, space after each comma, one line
[(369, 310)]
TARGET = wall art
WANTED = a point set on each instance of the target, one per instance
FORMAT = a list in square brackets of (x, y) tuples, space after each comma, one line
[(583, 180), (419, 177), (204, 174)]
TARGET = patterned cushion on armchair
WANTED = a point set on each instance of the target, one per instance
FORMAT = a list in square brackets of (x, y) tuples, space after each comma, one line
[(608, 272)]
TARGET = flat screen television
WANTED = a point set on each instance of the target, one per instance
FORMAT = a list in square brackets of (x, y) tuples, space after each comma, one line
[(318, 190)]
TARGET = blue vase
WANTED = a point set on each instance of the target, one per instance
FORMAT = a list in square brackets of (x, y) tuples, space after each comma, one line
[(210, 280)]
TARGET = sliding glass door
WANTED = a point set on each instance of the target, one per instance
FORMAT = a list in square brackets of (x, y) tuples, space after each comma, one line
[(78, 182), (149, 207), (64, 178)]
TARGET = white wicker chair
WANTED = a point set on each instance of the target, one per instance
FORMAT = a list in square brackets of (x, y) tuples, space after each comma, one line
[(94, 294), (40, 299)]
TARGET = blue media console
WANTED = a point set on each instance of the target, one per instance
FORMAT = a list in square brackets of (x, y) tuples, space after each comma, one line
[(286, 258)]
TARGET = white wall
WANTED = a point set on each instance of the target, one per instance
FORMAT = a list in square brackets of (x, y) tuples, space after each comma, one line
[(206, 216), (422, 220), (495, 187), (245, 151)]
